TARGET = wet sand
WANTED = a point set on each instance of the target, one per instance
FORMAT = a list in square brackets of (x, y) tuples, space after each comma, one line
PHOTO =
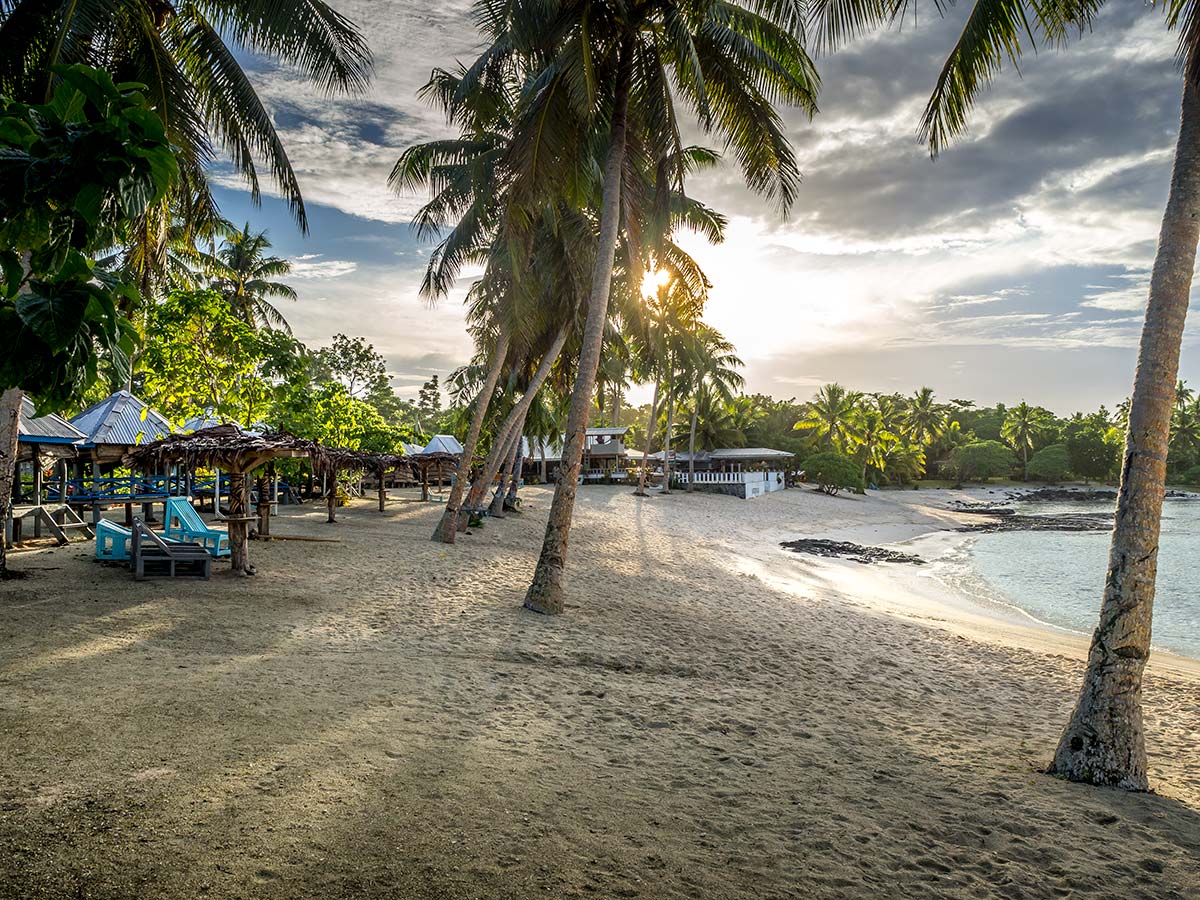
[(713, 717)]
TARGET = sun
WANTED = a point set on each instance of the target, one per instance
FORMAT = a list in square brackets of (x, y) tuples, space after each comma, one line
[(653, 280)]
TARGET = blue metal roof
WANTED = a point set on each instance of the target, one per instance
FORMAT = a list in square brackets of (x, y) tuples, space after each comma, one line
[(47, 429), (121, 420)]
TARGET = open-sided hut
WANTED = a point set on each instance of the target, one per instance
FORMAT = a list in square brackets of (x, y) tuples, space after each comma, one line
[(331, 461), (40, 439), (229, 448), (112, 428)]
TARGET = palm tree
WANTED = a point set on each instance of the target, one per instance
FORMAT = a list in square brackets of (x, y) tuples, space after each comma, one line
[(710, 369), (1185, 432), (829, 417), (923, 418), (872, 435), (1104, 741), (1183, 394), (187, 56), (1022, 427), (241, 272), (621, 69)]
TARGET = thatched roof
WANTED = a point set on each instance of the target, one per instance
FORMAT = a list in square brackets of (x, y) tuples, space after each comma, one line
[(221, 446), (230, 448)]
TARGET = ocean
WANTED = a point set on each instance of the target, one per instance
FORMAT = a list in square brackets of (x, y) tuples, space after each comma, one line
[(1057, 577)]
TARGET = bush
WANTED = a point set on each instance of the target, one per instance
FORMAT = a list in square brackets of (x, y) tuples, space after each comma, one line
[(981, 460), (832, 471), (1050, 463)]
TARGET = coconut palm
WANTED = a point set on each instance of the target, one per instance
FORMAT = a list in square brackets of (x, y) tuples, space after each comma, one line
[(1104, 740), (1022, 427), (829, 417), (187, 56), (596, 68), (710, 369), (924, 419), (872, 435), (241, 272)]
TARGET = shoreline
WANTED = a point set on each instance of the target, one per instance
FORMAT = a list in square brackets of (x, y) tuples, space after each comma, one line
[(923, 594)]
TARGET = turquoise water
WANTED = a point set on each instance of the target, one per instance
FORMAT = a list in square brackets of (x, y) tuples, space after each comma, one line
[(1057, 577)]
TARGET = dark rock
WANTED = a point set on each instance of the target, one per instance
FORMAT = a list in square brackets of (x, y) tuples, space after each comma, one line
[(847, 550)]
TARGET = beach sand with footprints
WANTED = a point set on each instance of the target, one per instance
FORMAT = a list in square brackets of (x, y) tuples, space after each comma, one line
[(713, 717)]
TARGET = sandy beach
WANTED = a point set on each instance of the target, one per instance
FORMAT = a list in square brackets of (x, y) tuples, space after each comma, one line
[(373, 715)]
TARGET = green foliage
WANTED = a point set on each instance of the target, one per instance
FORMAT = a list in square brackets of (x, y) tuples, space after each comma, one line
[(73, 174), (1050, 463), (1191, 476), (203, 357), (832, 471), (981, 460), (1092, 454)]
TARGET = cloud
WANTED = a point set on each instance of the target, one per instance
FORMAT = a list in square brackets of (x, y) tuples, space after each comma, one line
[(1024, 246), (310, 266)]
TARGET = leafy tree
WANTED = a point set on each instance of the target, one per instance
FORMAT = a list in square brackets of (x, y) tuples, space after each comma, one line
[(74, 173), (832, 471), (1050, 463), (203, 357), (981, 460), (1090, 453), (352, 361), (429, 401)]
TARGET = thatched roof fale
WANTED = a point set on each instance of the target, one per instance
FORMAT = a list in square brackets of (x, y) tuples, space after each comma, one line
[(220, 447), (230, 448)]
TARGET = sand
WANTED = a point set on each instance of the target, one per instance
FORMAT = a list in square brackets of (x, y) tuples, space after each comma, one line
[(712, 717)]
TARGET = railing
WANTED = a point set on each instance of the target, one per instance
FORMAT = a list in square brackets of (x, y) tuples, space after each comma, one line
[(125, 489), (722, 477)]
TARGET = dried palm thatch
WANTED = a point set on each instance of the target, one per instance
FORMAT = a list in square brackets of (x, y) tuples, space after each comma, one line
[(220, 447)]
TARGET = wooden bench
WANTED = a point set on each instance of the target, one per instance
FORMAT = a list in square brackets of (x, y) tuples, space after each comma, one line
[(151, 555)]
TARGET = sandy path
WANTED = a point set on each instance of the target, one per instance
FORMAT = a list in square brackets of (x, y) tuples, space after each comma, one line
[(380, 719)]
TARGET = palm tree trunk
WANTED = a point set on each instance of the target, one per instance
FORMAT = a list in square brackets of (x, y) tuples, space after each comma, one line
[(1104, 741), (1025, 460), (543, 450), (448, 526), (516, 415), (10, 420), (692, 452), (641, 489), (514, 483), (496, 508), (667, 439), (545, 593)]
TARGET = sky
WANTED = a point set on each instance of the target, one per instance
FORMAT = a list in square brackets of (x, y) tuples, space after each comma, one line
[(1014, 266)]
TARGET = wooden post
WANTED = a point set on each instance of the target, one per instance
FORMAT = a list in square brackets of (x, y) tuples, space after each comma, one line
[(331, 498), (424, 483), (263, 508), (382, 491), (37, 488), (239, 551)]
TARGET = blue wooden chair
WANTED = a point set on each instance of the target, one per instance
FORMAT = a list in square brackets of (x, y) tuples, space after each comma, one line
[(112, 541), (185, 524)]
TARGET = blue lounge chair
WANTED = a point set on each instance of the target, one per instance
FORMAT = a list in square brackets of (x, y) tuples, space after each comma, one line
[(185, 524), (112, 541)]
